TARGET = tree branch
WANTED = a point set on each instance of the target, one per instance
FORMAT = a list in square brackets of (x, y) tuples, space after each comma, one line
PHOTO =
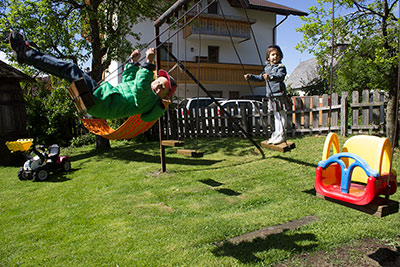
[(363, 8)]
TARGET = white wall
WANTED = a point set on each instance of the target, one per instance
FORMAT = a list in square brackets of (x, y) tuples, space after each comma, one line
[(263, 27)]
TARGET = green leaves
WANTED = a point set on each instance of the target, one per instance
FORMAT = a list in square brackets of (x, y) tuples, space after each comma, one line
[(366, 42), (79, 30)]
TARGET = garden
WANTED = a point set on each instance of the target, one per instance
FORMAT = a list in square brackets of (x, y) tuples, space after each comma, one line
[(228, 208)]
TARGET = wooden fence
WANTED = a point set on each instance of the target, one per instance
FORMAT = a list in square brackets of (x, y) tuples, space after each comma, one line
[(310, 115)]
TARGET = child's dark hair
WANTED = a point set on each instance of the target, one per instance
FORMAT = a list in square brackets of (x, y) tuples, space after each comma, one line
[(273, 47)]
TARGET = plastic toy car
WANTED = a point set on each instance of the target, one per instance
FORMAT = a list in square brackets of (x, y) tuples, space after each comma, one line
[(39, 166)]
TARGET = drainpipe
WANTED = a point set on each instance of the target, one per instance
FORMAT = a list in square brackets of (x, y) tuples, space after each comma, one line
[(274, 30)]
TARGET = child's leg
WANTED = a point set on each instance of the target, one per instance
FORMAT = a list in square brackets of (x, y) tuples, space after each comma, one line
[(278, 123), (283, 116), (65, 70), (272, 108)]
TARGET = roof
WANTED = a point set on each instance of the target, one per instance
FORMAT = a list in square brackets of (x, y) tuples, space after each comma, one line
[(9, 72), (268, 6), (305, 73)]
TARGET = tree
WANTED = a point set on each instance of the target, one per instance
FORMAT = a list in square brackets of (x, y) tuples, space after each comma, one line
[(370, 32), (79, 29)]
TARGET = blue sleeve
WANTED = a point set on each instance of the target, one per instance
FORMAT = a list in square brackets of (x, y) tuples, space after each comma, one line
[(278, 74), (258, 78)]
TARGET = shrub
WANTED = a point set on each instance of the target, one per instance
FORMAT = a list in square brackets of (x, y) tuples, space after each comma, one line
[(86, 139), (51, 116)]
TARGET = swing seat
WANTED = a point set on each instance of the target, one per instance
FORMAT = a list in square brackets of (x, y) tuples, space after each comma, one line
[(190, 153), (359, 173), (80, 95)]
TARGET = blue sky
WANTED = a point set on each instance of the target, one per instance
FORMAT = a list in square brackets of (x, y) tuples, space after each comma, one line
[(287, 37)]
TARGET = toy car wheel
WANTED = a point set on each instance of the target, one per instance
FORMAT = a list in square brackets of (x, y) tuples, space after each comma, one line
[(21, 174), (40, 174), (66, 165)]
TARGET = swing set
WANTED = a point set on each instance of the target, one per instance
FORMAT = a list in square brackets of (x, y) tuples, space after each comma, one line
[(134, 125), (355, 177)]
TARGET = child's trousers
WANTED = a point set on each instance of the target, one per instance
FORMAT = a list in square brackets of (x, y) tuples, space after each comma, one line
[(62, 69)]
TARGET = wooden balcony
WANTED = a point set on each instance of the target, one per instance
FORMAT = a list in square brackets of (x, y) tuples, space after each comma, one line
[(213, 26), (214, 73)]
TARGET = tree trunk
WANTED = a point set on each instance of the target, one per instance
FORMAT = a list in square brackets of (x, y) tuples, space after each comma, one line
[(97, 55), (390, 120), (102, 142)]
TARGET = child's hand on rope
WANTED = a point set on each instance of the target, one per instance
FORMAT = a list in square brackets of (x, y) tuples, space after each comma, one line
[(135, 56), (150, 55), (266, 77)]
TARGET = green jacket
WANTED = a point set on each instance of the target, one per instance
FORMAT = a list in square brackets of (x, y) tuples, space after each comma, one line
[(132, 96)]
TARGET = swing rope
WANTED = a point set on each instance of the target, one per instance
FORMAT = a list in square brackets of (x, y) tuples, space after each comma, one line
[(331, 67), (396, 116), (234, 47), (160, 34), (198, 77), (259, 56), (129, 130)]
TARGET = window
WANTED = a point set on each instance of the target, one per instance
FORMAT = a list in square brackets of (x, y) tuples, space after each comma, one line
[(213, 8), (164, 54), (213, 54), (233, 94), (216, 93)]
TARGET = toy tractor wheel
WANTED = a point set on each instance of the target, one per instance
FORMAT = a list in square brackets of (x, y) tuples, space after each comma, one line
[(66, 165), (21, 174), (40, 174)]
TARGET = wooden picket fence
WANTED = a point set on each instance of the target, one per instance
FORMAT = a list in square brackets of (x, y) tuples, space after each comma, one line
[(310, 115)]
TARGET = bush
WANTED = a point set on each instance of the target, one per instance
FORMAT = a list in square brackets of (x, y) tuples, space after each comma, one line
[(51, 116), (83, 140)]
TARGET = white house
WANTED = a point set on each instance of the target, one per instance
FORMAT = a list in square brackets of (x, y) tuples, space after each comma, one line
[(220, 70)]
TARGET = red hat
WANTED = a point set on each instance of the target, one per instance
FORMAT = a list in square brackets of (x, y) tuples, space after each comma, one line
[(171, 80)]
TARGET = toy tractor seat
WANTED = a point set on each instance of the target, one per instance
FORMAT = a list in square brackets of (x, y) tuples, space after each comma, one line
[(359, 173), (54, 151)]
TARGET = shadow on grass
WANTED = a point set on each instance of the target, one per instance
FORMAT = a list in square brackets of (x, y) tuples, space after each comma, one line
[(310, 191), (225, 191), (386, 256), (296, 161), (129, 154), (228, 192), (228, 146), (211, 182), (59, 176), (245, 251)]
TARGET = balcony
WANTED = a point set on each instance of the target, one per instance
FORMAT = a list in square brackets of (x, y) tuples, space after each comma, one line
[(214, 73), (213, 26)]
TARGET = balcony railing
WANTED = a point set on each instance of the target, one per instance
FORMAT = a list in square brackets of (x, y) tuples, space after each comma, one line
[(214, 26), (213, 73)]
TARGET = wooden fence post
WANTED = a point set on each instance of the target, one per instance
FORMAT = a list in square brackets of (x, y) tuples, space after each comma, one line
[(344, 114), (298, 104), (325, 112), (365, 109), (355, 98), (315, 113)]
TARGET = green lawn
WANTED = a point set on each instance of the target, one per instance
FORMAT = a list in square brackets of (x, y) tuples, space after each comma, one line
[(115, 209)]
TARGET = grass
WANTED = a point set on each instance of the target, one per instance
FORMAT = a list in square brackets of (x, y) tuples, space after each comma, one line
[(114, 208)]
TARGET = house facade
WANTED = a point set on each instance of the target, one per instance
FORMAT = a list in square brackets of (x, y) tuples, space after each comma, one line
[(205, 46)]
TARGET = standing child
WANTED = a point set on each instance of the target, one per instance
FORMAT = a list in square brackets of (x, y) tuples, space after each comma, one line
[(274, 75)]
